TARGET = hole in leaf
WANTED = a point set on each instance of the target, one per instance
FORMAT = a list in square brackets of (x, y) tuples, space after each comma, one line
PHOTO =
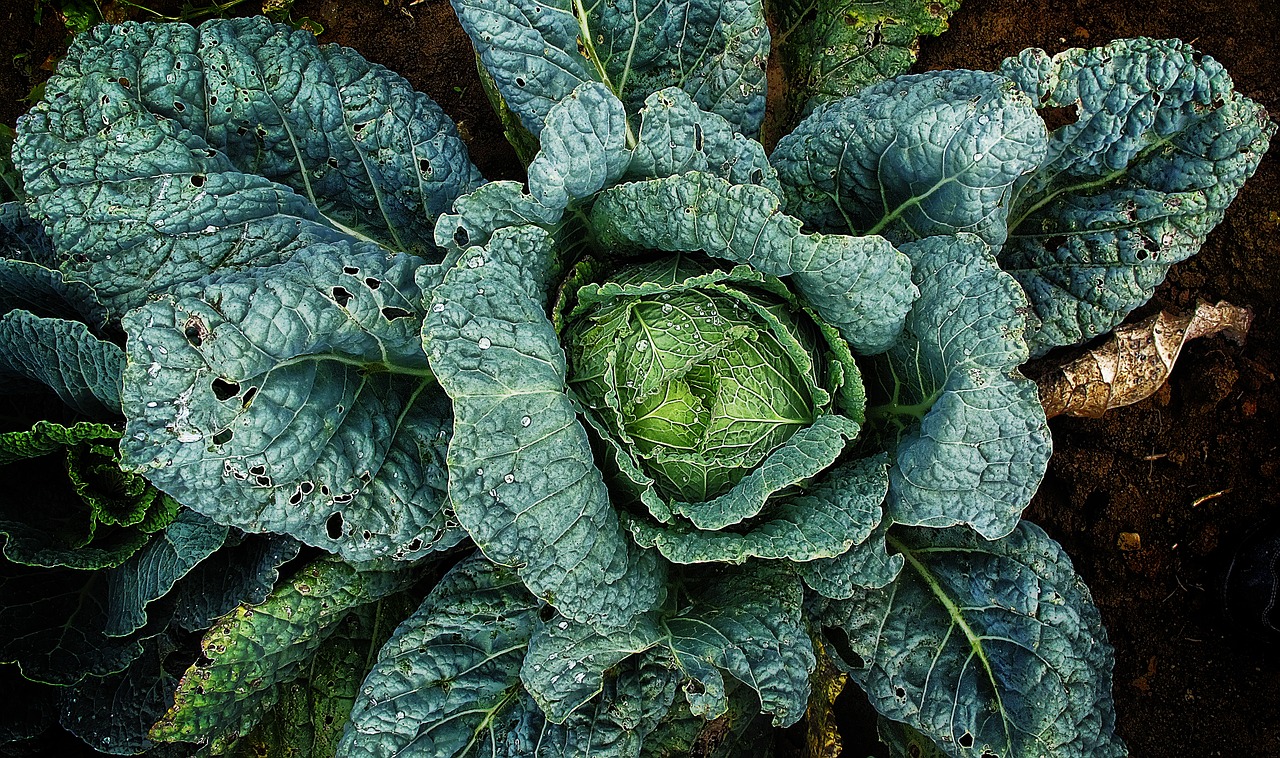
[(248, 397), (424, 166), (296, 497), (756, 176), (178, 106), (213, 100), (391, 314), (258, 470), (900, 693), (242, 130), (367, 535), (333, 162), (333, 527), (222, 437), (415, 543), (520, 81), (461, 238), (324, 490), (966, 740), (341, 296), (225, 389), (697, 137), (350, 270), (839, 640), (1054, 243), (193, 335), (306, 487), (197, 180), (372, 283), (546, 613), (1056, 118)]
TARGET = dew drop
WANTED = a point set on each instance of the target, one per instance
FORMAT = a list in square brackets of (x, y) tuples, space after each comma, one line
[(509, 478), (666, 308), (438, 308), (484, 343), (642, 345), (977, 156), (475, 262), (526, 421), (984, 119)]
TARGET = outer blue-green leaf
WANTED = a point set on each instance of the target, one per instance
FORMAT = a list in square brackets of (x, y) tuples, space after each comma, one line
[(1159, 147), (990, 648), (46, 293), (933, 153), (296, 399), (824, 521), (244, 571), (64, 355), (676, 137), (447, 683), (448, 680), (746, 621), (252, 650), (972, 443), (866, 564), (584, 147), (521, 474), (860, 285), (150, 573), (162, 152), (834, 48), (539, 52)]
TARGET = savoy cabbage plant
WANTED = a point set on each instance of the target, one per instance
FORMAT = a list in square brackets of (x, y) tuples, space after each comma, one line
[(643, 440)]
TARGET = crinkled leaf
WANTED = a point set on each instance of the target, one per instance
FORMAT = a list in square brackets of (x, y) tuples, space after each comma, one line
[(539, 52), (584, 147), (112, 713), (447, 684), (833, 48), (448, 681), (64, 355), (866, 564), (860, 285), (676, 137), (990, 648), (92, 515), (824, 521), (244, 571), (969, 435), (46, 293), (905, 742), (296, 399), (149, 574), (251, 651), (52, 621), (22, 237), (806, 454), (162, 152), (521, 476), (312, 711), (746, 621), (933, 153), (1159, 146), (477, 215)]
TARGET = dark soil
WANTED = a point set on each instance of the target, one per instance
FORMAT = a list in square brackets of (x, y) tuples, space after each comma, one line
[(1190, 470)]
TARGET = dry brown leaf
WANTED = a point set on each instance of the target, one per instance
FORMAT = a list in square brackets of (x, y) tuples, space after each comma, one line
[(1135, 360)]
